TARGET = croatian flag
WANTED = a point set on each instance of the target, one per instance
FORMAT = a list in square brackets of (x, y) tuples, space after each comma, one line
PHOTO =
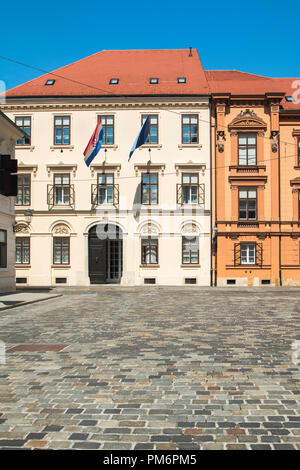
[(142, 136), (94, 144)]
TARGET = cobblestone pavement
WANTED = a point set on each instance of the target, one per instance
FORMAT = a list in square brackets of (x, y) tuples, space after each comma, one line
[(152, 368)]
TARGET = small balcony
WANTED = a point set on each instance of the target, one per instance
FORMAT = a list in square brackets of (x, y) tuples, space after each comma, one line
[(60, 196), (191, 194), (104, 195)]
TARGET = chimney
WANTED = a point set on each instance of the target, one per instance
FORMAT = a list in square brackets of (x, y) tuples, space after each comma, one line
[(190, 54)]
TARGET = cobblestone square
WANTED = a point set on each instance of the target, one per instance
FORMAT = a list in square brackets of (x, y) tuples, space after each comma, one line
[(152, 368)]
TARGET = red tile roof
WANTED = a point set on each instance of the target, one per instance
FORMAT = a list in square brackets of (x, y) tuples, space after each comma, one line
[(241, 83), (91, 75)]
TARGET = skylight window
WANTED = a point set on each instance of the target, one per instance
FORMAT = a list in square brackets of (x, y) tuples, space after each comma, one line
[(114, 81), (153, 81), (50, 82), (181, 80), (290, 99)]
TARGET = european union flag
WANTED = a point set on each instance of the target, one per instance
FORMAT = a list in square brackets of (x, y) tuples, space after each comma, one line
[(142, 137)]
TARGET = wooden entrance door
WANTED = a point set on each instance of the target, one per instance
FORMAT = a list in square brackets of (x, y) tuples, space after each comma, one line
[(97, 258)]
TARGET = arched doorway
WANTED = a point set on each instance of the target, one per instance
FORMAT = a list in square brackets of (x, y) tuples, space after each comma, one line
[(105, 254)]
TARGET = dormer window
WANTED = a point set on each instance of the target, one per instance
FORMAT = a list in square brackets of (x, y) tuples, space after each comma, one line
[(181, 80), (153, 81), (290, 99), (114, 81), (50, 82)]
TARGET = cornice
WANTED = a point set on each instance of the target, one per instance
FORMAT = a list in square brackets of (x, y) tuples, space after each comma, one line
[(100, 106)]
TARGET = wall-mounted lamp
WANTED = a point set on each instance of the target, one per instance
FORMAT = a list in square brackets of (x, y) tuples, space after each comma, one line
[(28, 216)]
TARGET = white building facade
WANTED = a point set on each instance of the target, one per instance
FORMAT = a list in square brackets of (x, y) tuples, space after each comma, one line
[(9, 133), (146, 221)]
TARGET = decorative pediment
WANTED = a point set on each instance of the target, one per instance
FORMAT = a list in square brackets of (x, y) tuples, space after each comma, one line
[(190, 228), (61, 229), (149, 228), (247, 119), (21, 228)]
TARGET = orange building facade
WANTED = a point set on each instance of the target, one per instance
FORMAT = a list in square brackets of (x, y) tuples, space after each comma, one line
[(255, 180)]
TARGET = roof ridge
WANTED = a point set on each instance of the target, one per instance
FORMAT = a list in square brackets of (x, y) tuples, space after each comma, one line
[(239, 71)]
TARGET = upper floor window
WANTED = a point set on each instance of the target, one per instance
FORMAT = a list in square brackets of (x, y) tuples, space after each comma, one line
[(61, 189), (61, 250), (247, 149), (23, 196), (190, 250), (190, 188), (61, 130), (149, 250), (24, 122), (190, 129), (108, 129), (298, 147), (3, 248), (22, 250), (106, 188), (153, 128), (149, 188), (247, 204)]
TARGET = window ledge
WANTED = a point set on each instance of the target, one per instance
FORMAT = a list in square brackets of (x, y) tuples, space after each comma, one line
[(184, 146), (61, 266), (25, 147), (150, 146), (191, 205), (247, 266), (190, 266), (151, 266), (22, 266), (62, 147), (109, 146)]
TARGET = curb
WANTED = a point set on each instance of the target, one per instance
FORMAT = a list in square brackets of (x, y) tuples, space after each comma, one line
[(27, 302)]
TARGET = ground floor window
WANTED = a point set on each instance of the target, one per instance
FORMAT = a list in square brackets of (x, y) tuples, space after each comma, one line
[(3, 248), (22, 250), (190, 250), (149, 250), (248, 253), (61, 250)]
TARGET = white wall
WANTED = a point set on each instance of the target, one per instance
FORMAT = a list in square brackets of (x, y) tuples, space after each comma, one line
[(165, 216)]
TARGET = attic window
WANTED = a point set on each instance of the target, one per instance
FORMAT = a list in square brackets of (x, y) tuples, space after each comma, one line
[(114, 81), (153, 80), (181, 80), (290, 99), (50, 82)]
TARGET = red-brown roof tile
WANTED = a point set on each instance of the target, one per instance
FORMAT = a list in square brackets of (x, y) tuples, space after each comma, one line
[(91, 75), (241, 83)]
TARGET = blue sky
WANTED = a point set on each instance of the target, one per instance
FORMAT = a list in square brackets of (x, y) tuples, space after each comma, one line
[(256, 36)]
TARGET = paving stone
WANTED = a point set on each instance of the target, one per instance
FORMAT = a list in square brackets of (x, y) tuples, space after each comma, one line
[(86, 445), (135, 383), (52, 428), (78, 436)]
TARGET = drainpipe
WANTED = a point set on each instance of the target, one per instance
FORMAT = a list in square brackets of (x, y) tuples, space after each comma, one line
[(215, 189), (211, 201), (279, 197)]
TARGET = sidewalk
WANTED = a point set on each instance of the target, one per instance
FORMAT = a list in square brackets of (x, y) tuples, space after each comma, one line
[(15, 299)]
